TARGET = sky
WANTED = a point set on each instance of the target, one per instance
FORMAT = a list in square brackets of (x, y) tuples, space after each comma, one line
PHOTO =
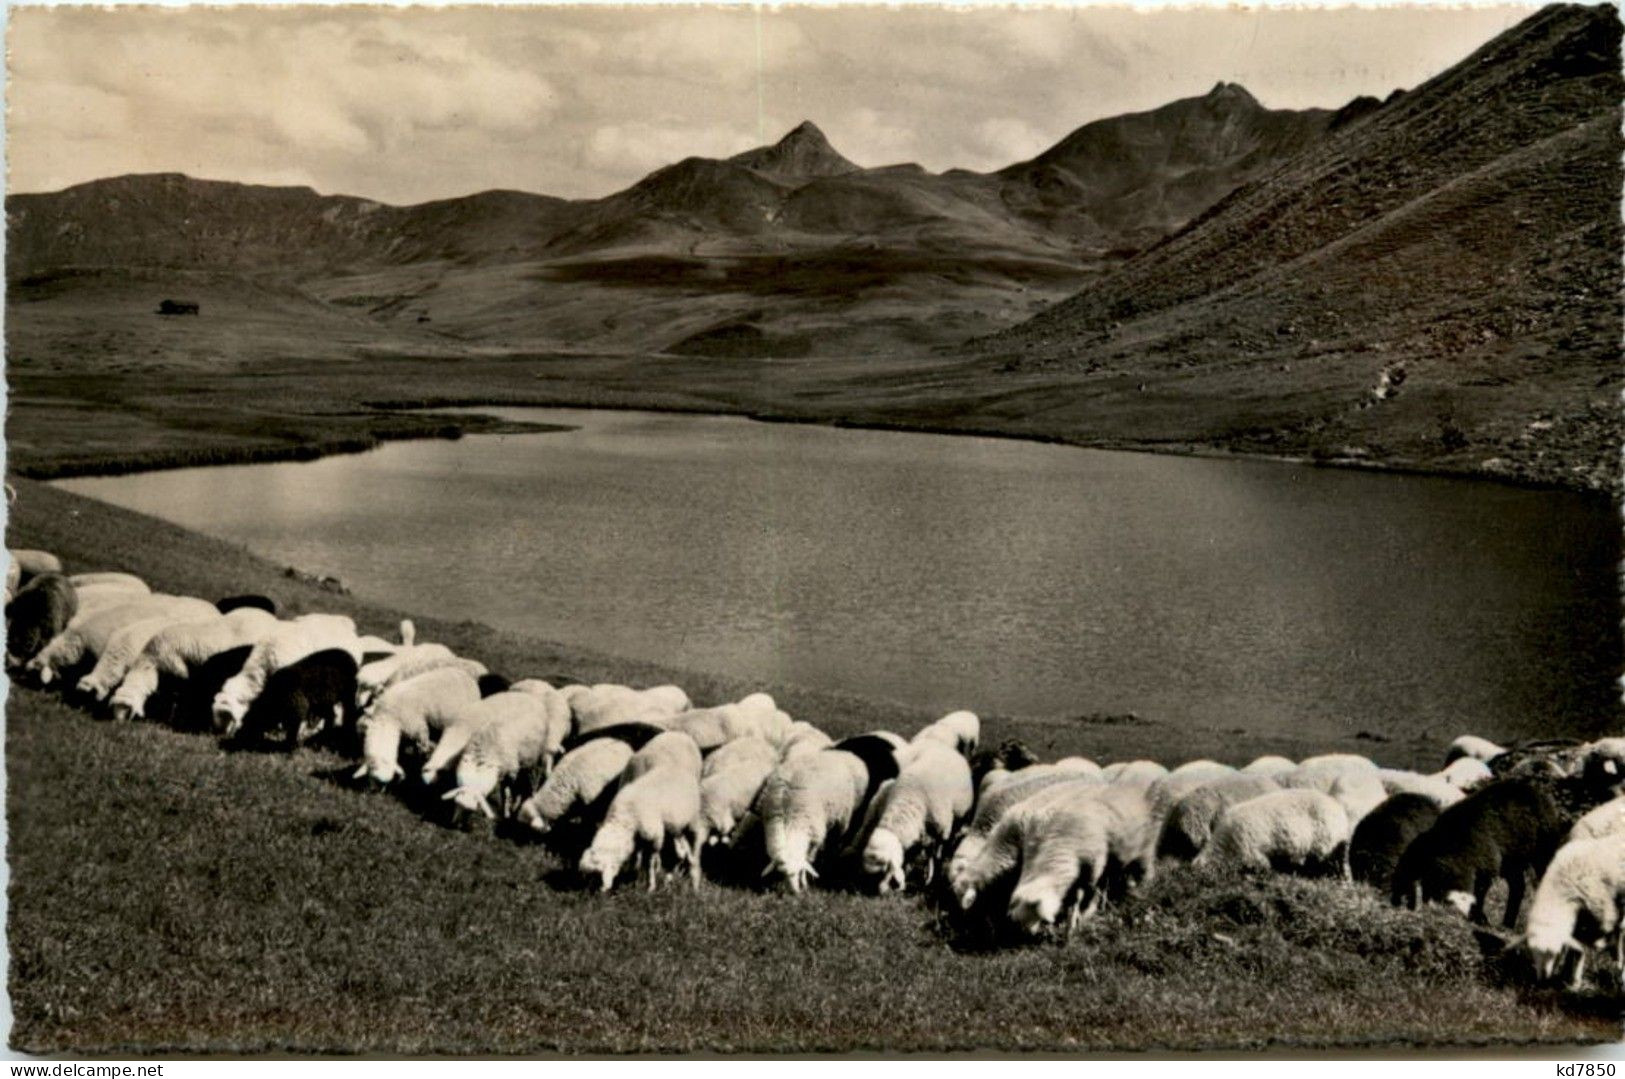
[(580, 101)]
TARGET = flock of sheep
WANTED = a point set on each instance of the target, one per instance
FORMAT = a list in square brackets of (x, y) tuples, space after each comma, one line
[(642, 783)]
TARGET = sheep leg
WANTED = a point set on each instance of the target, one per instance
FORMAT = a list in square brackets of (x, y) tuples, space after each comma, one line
[(1515, 888)]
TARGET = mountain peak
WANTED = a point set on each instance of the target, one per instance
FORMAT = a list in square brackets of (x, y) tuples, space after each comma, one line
[(802, 154), (1232, 93)]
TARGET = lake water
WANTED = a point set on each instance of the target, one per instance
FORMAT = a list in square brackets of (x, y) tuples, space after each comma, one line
[(1003, 576)]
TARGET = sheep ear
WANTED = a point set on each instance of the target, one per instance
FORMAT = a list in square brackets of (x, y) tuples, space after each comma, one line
[(811, 872), (360, 773), (768, 871), (449, 795), (400, 773)]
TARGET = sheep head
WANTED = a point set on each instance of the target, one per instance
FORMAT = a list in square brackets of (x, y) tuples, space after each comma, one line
[(610, 849), (883, 861), (1034, 914)]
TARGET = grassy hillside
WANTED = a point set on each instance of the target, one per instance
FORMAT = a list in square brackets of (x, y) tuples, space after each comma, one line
[(168, 896)]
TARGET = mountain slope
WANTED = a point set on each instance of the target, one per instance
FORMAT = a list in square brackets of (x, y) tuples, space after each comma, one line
[(1440, 276), (790, 242)]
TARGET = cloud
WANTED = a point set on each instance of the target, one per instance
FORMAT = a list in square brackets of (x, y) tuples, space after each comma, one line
[(637, 148)]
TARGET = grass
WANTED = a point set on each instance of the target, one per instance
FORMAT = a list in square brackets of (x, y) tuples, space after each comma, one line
[(169, 896)]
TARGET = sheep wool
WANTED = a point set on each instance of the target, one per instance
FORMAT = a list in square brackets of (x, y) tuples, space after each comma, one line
[(1466, 772), (729, 783), (124, 647), (607, 704), (1470, 745), (1295, 828), (648, 818), (414, 708), (35, 614), (1064, 854), (577, 782), (378, 675), (88, 635), (286, 643), (1269, 766), (1398, 781), (975, 875), (922, 808), (675, 748), (1134, 773), (803, 738), (1587, 877), (1381, 838), (996, 799), (1188, 826), (512, 753), (176, 648), (960, 731), (31, 563), (1604, 820), (805, 803)]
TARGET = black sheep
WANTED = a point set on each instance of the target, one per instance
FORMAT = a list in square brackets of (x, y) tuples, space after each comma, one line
[(1382, 836), (879, 756), (234, 603), (38, 612), (301, 700), (636, 735), (194, 698), (490, 683), (1503, 829)]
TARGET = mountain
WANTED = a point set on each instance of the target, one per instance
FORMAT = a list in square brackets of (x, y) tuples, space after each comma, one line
[(1437, 277), (792, 242)]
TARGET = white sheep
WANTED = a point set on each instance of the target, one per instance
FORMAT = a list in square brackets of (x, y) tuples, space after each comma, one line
[(1166, 791), (1465, 772), (803, 738), (608, 705), (407, 662), (755, 716), (676, 748), (454, 738), (649, 817), (1064, 856), (175, 649), (415, 709), (921, 809), (124, 582), (806, 803), (124, 648), (93, 599), (1585, 876), (1300, 828), (1603, 820), (1080, 765), (91, 634), (994, 800), (1270, 765), (511, 754), (1470, 745), (1205, 768), (1188, 826), (1358, 793), (1134, 773), (286, 643), (581, 777), (1319, 773), (730, 780), (990, 845), (1604, 757), (25, 560), (1436, 790), (960, 731)]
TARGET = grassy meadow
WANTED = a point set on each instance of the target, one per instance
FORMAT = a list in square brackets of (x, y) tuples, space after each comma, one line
[(167, 896)]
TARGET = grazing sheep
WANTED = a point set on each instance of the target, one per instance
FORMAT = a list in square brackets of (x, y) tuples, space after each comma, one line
[(414, 708), (249, 602), (454, 738), (1469, 745), (996, 799), (1133, 773), (511, 754), (1585, 878), (174, 649), (1165, 792), (577, 783), (1295, 829), (90, 636), (649, 818), (675, 748), (921, 809), (123, 649), (1603, 761), (990, 849), (1502, 830), (712, 727), (1270, 766), (1382, 836), (729, 783), (38, 612), (960, 731), (95, 598), (300, 700), (409, 662), (805, 804), (1397, 781), (1188, 827), (635, 735), (29, 564), (1358, 793), (1322, 773), (285, 644), (194, 693), (1604, 820), (1064, 858), (803, 738), (606, 705)]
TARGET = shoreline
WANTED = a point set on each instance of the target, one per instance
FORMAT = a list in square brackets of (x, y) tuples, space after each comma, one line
[(456, 427)]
